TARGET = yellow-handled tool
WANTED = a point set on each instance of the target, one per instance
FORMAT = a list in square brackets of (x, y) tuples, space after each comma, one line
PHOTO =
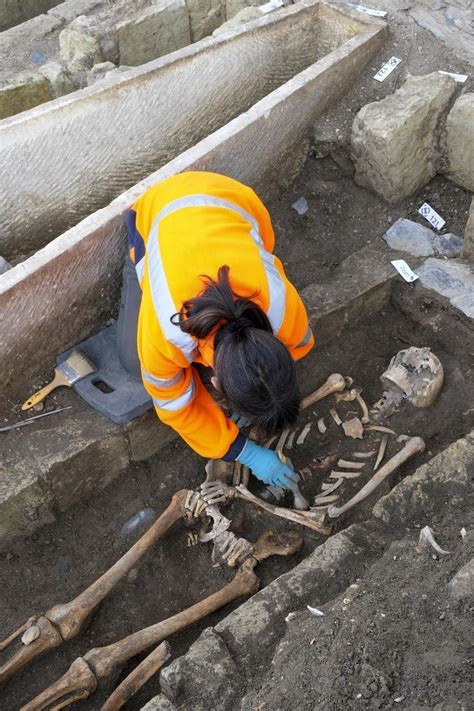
[(75, 367)]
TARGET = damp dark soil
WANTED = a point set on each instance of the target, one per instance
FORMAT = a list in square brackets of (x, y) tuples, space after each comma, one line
[(395, 638), (58, 561)]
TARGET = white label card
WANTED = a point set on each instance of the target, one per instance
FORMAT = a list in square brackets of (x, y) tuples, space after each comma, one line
[(368, 10), (387, 69), (432, 216), (404, 270)]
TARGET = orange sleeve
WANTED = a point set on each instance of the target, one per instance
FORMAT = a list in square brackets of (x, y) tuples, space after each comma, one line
[(182, 402)]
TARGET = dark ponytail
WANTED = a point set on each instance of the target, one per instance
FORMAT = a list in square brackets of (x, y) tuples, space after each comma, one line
[(256, 373)]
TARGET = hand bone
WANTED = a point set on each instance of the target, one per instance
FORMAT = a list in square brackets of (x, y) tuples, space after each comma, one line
[(64, 621), (413, 446)]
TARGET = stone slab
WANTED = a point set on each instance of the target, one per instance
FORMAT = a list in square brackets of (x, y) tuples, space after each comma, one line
[(460, 141), (408, 236), (395, 140), (453, 279), (69, 10)]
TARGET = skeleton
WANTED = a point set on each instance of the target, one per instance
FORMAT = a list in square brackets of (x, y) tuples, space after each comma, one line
[(64, 621), (415, 375), (82, 678)]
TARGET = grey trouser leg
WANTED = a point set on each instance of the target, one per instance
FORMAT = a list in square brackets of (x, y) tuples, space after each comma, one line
[(127, 322)]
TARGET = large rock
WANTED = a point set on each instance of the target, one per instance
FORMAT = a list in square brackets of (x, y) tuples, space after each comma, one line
[(468, 249), (460, 142), (205, 674), (83, 43), (408, 236), (395, 141), (157, 30), (232, 7)]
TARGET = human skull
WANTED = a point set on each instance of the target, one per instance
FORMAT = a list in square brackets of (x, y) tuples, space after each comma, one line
[(418, 373), (414, 375)]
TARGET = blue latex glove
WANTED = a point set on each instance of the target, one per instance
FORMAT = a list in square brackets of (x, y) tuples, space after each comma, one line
[(267, 466), (239, 420)]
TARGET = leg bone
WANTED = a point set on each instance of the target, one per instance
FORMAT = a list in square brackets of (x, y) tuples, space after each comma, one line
[(137, 678), (104, 661), (412, 447), (64, 621)]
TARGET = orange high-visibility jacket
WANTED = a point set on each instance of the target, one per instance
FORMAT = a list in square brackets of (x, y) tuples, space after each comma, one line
[(188, 226)]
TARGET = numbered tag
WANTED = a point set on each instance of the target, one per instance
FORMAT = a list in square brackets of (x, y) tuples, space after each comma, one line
[(404, 270), (367, 10), (432, 216), (459, 78), (387, 69)]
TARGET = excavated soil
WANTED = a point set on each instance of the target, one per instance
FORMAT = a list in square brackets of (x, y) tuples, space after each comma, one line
[(56, 563)]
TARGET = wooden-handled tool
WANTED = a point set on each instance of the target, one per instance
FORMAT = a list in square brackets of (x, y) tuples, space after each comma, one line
[(75, 367)]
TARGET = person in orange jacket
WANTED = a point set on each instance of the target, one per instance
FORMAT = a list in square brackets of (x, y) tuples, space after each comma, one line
[(203, 288)]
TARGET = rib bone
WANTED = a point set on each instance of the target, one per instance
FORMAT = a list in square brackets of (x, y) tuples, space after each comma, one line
[(335, 416), (303, 434), (382, 448), (335, 383), (321, 425), (64, 621), (427, 536), (329, 487), (365, 410), (344, 475), (350, 465), (413, 446)]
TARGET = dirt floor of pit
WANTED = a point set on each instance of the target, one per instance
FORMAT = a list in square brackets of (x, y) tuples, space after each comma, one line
[(56, 563), (395, 639)]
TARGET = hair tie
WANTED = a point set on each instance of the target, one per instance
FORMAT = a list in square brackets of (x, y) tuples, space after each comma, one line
[(240, 325)]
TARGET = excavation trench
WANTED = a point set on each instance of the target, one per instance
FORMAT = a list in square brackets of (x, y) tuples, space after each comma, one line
[(58, 561)]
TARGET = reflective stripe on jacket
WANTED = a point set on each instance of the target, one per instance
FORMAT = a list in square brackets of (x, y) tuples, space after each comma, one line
[(181, 229)]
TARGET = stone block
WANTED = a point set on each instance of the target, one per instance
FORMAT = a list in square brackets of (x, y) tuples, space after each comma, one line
[(70, 9), (80, 455), (232, 7), (156, 31), (26, 91), (146, 436), (25, 502), (206, 676), (159, 703), (468, 248), (460, 142), (204, 17), (408, 236), (85, 43), (256, 625), (461, 586), (395, 140), (100, 71), (416, 498), (58, 78), (452, 279), (247, 14)]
